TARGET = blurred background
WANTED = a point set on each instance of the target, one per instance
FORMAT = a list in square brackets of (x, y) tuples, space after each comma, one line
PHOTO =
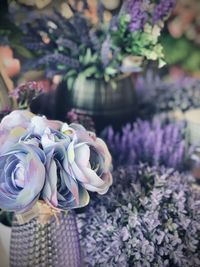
[(27, 54)]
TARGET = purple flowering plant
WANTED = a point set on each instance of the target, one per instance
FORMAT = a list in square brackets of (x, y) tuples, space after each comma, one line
[(150, 217), (155, 143), (182, 94), (25, 93), (76, 46), (49, 161)]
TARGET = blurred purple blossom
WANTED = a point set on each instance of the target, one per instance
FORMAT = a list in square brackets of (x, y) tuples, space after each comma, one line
[(182, 94), (139, 17), (163, 9), (147, 142), (142, 11), (25, 93)]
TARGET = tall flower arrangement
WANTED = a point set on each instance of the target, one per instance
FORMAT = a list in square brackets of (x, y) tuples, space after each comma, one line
[(47, 170), (102, 50)]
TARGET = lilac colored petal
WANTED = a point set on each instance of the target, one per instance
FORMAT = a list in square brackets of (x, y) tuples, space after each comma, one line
[(34, 184), (82, 155), (39, 124), (94, 180), (50, 188), (80, 176), (17, 118)]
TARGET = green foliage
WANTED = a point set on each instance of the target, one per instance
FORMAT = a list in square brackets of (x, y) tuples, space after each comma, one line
[(138, 43), (181, 52)]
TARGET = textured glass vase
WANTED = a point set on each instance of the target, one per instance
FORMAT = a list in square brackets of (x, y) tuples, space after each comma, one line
[(55, 244)]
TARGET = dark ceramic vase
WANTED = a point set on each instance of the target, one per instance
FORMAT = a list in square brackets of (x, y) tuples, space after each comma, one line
[(55, 244), (105, 104)]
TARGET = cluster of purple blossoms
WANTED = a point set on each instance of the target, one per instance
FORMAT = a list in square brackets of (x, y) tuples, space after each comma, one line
[(163, 9), (150, 217), (138, 14), (182, 94), (142, 11), (25, 93), (149, 142)]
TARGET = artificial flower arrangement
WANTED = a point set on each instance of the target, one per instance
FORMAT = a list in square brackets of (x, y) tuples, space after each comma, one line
[(44, 161), (102, 50), (47, 168)]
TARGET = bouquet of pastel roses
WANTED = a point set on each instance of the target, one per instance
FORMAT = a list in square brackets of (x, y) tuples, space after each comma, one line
[(50, 162)]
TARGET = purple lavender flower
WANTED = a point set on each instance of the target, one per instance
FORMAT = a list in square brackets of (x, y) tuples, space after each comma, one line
[(151, 143), (138, 14), (163, 9)]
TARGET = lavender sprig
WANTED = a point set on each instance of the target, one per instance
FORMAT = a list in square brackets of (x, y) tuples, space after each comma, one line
[(163, 9), (137, 13)]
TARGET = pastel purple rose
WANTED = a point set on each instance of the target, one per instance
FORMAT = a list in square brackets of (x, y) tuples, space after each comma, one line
[(38, 124), (27, 120), (18, 122), (51, 161), (22, 177), (73, 167), (12, 127), (93, 158), (17, 118)]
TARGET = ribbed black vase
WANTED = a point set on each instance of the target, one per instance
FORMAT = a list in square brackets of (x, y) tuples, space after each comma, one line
[(55, 244), (103, 103)]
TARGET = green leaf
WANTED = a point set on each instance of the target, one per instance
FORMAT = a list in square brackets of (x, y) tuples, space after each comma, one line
[(113, 84), (161, 63), (61, 67), (90, 71), (22, 51), (111, 71), (87, 57), (70, 82), (106, 77), (70, 73)]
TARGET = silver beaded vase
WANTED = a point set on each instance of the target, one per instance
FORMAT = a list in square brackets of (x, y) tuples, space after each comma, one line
[(54, 244)]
